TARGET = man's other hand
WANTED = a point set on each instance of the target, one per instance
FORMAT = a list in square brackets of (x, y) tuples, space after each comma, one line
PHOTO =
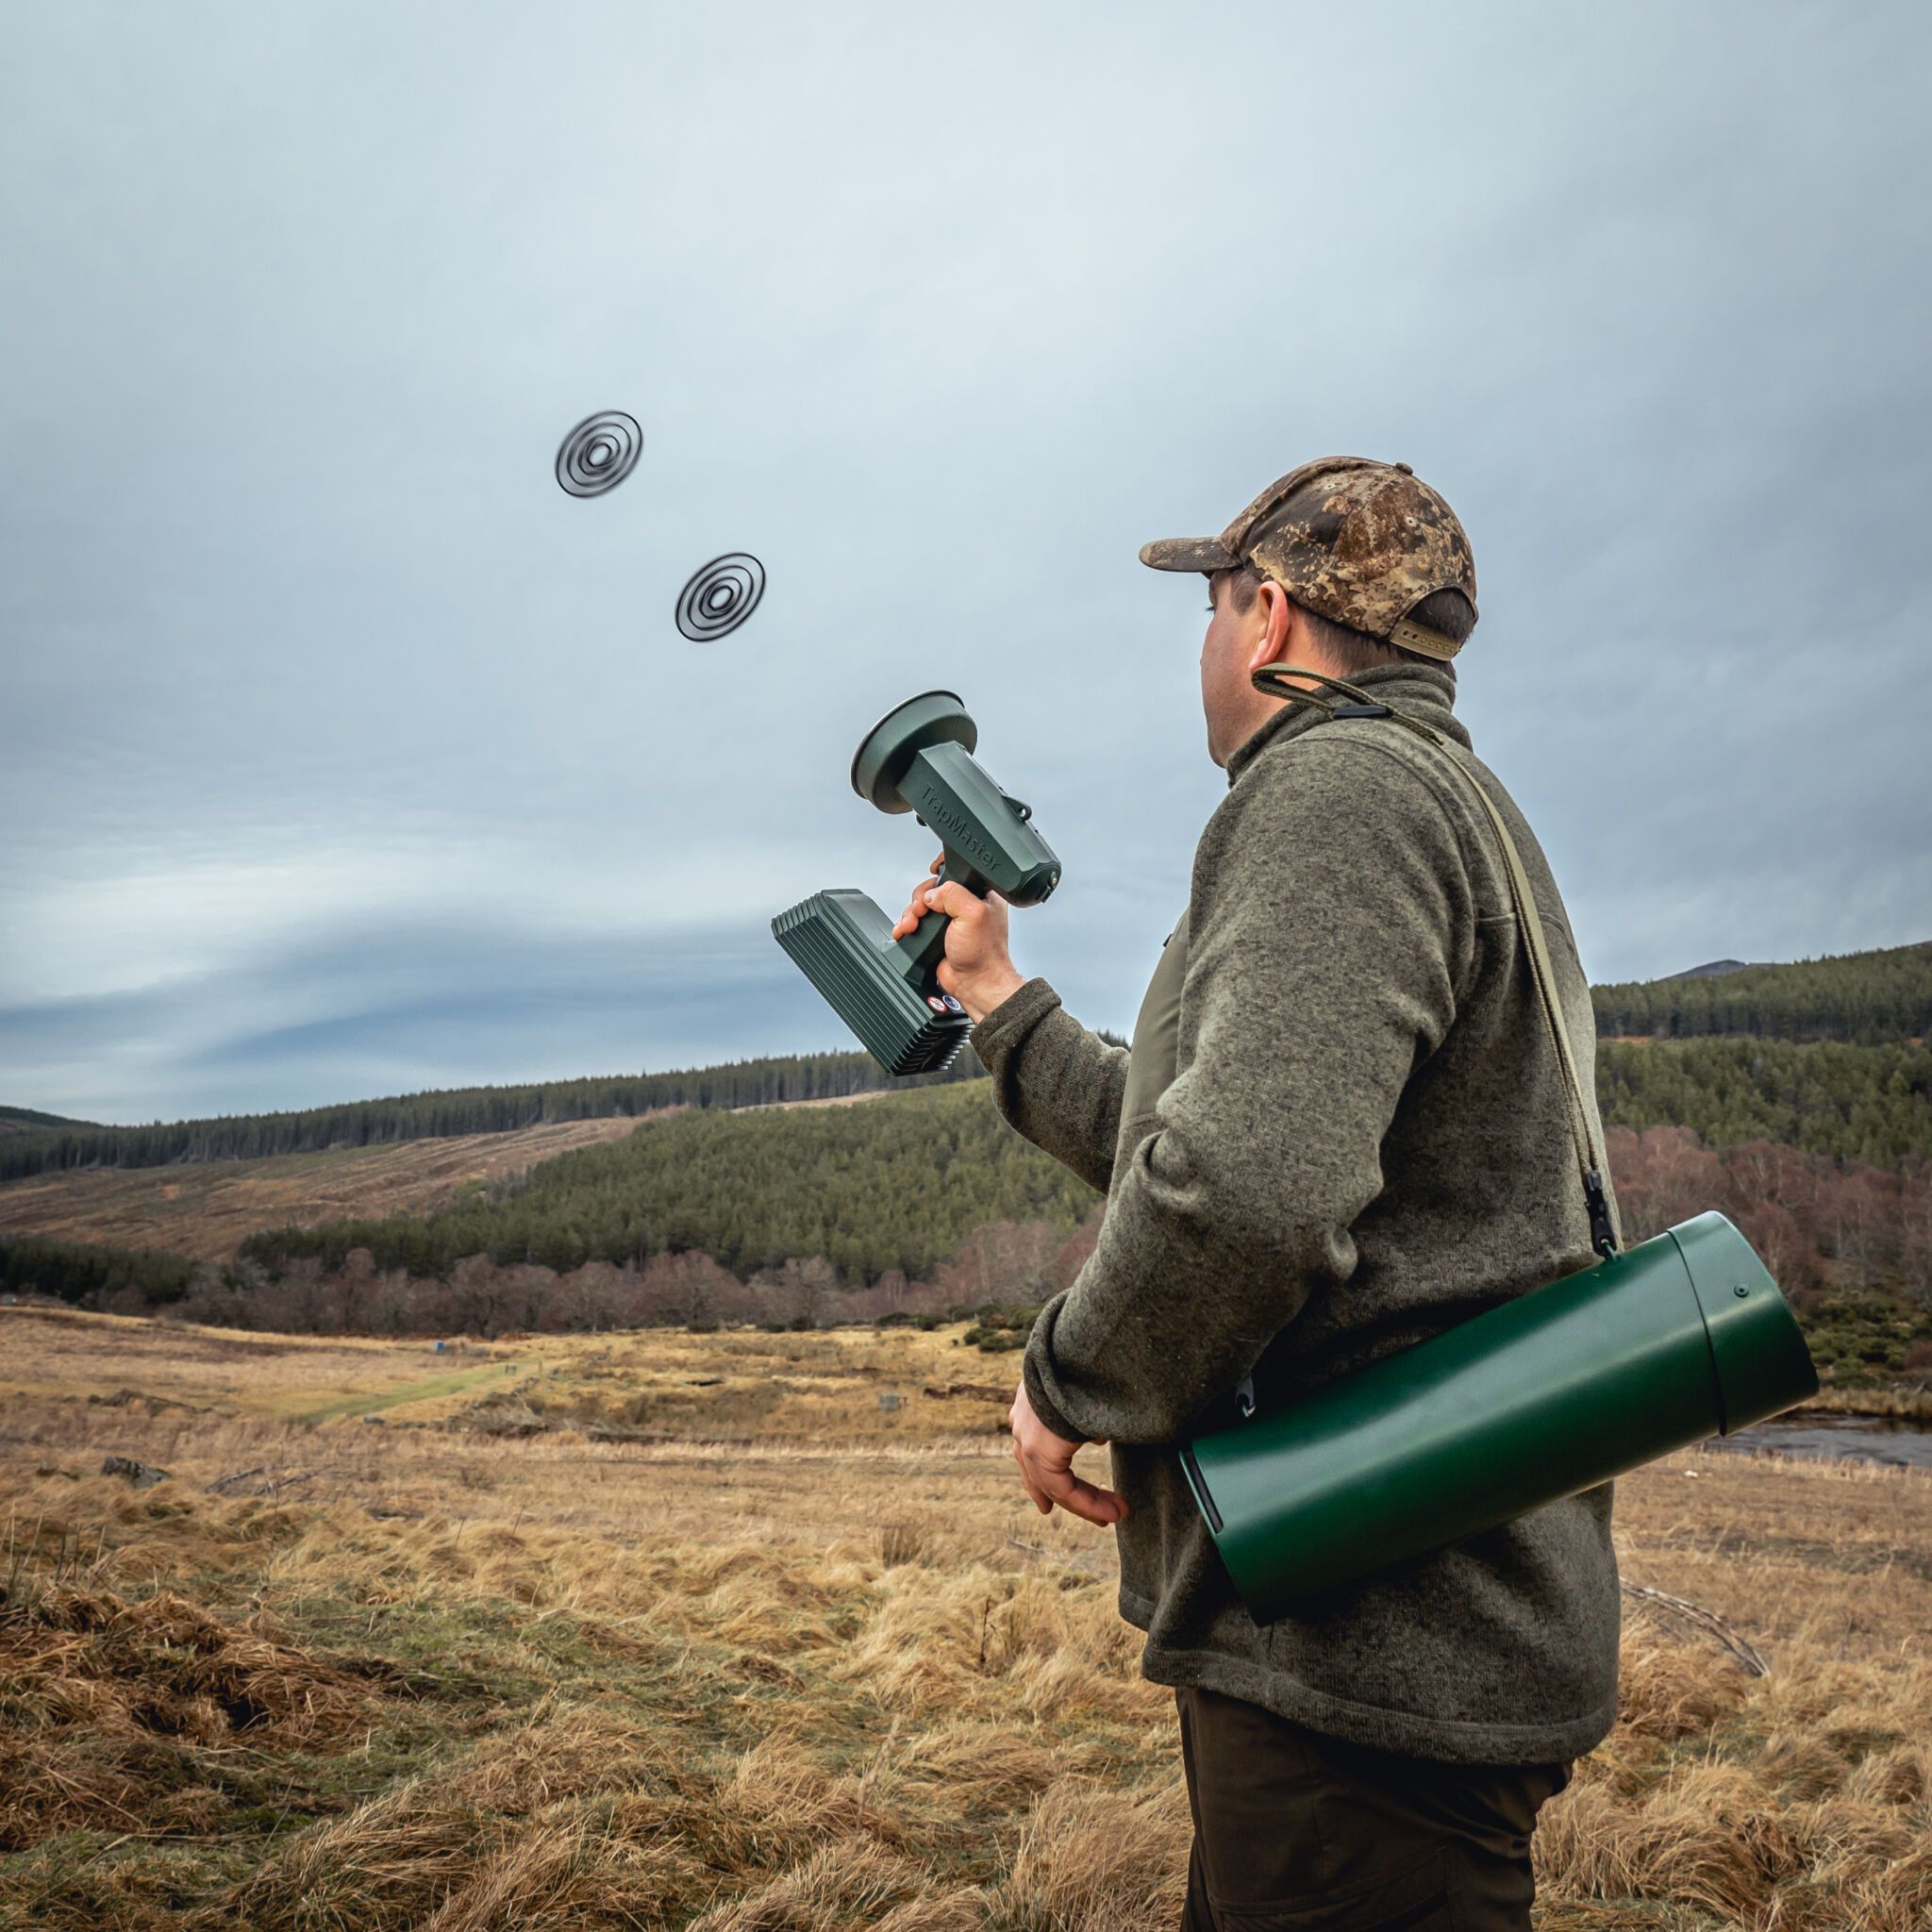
[(1046, 1467)]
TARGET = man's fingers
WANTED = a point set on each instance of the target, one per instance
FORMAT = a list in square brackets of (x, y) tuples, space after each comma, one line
[(916, 910), (952, 898), (1080, 1498), (1083, 1499), (948, 896), (1103, 1506)]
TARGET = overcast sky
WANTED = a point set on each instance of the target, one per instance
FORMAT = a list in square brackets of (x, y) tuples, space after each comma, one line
[(344, 754)]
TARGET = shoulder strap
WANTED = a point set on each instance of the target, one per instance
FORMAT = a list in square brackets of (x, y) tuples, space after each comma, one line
[(1362, 704)]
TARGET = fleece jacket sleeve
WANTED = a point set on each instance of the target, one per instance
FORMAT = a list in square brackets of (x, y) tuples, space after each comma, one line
[(1299, 1030), (1054, 1080)]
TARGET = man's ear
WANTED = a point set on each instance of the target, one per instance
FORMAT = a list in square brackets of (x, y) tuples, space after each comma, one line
[(1277, 623)]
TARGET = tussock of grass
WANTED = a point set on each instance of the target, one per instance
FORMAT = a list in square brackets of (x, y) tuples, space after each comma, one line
[(838, 1886), (1664, 1690), (139, 1714), (1090, 1857), (1790, 1801), (531, 1807)]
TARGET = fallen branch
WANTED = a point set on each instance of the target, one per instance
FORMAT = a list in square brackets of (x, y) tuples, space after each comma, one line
[(240, 1475), (1750, 1659), (271, 1484), (276, 1484)]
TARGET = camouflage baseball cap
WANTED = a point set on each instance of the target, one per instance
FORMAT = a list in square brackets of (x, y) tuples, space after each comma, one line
[(1357, 541)]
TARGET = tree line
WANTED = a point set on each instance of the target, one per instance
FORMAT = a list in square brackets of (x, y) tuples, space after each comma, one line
[(1817, 1222), (1871, 998), (1866, 998), (1839, 1237), (894, 1183), (997, 1265), (462, 1110), (130, 1279), (1866, 1104)]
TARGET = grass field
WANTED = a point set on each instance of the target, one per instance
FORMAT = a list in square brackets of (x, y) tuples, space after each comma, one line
[(705, 1636)]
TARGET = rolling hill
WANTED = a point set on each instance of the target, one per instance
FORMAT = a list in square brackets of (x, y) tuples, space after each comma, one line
[(445, 1113), (747, 1165), (205, 1209), (23, 1120), (1869, 998)]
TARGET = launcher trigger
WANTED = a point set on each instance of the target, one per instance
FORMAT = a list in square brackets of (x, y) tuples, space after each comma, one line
[(1244, 1395)]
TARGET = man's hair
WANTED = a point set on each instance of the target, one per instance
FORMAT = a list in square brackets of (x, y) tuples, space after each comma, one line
[(1448, 611)]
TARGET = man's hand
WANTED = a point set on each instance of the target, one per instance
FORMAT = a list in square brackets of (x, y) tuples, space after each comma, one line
[(1046, 1467), (977, 970)]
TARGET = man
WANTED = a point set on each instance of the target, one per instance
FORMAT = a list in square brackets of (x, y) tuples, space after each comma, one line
[(1340, 1129)]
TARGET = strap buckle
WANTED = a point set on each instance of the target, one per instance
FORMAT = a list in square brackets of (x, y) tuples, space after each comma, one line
[(1602, 1237)]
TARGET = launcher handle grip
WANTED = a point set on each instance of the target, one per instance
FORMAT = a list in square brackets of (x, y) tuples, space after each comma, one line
[(924, 947)]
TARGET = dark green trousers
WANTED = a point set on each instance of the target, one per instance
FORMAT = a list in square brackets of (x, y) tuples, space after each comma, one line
[(1295, 1832)]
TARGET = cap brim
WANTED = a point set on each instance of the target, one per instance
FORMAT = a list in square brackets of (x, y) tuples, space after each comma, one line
[(1187, 553)]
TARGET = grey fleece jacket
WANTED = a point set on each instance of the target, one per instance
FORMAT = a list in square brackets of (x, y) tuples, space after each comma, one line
[(1341, 1131)]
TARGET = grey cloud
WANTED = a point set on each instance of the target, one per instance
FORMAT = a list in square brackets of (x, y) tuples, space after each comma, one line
[(397, 1009), (943, 316)]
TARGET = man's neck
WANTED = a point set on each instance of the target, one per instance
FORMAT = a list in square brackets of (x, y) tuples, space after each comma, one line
[(1427, 689)]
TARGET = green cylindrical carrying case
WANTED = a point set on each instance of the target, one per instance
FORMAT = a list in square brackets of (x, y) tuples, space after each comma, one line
[(1681, 1338), (1551, 1393)]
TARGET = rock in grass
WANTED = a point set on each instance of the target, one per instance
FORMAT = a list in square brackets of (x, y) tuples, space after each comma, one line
[(142, 1476)]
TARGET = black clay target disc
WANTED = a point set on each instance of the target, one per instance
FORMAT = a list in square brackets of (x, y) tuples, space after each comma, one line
[(721, 596), (599, 452)]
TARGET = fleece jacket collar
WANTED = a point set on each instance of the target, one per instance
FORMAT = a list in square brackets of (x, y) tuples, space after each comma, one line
[(1422, 690)]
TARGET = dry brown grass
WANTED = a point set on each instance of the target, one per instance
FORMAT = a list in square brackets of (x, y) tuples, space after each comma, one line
[(117, 1704), (455, 1683), (120, 1361), (808, 1389), (1898, 1403)]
